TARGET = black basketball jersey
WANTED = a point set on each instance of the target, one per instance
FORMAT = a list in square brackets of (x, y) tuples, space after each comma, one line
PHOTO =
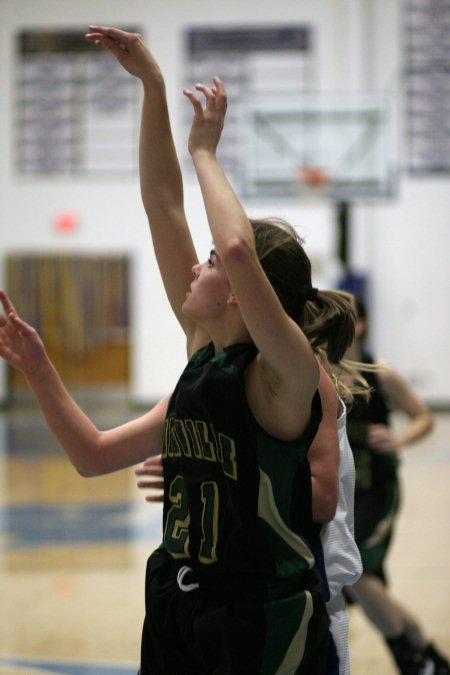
[(237, 501), (372, 468)]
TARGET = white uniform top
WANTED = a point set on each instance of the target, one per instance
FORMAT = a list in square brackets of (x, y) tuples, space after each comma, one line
[(342, 559), (341, 555)]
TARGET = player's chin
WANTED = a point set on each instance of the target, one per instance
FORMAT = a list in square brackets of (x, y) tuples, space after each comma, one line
[(186, 307)]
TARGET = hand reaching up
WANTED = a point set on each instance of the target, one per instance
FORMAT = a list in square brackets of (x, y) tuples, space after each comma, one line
[(20, 343), (208, 120), (128, 48)]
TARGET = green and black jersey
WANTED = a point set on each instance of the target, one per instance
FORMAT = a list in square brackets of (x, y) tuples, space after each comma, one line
[(372, 468), (377, 493), (237, 503)]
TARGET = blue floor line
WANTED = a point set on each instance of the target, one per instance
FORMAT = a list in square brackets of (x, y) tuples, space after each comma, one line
[(33, 525), (36, 666)]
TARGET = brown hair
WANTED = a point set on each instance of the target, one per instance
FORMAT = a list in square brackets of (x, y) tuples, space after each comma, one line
[(326, 317)]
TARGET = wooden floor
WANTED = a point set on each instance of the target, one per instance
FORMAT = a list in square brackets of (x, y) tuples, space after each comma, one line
[(73, 552)]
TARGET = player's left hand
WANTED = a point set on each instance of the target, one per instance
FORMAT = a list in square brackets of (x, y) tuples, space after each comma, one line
[(152, 467)]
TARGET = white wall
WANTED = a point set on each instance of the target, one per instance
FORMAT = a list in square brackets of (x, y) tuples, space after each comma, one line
[(401, 245), (404, 245)]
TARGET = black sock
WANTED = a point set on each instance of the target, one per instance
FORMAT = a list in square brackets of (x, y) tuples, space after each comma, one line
[(409, 659)]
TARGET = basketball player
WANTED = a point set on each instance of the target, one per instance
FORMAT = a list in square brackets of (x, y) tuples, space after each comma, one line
[(376, 446), (234, 581), (233, 587), (337, 555)]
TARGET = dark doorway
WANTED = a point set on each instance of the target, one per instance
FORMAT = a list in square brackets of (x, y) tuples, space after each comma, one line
[(79, 304)]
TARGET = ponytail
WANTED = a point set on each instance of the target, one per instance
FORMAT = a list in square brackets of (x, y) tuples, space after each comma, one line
[(326, 317), (329, 323)]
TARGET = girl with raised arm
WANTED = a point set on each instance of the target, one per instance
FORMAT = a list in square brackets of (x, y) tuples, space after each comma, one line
[(233, 588)]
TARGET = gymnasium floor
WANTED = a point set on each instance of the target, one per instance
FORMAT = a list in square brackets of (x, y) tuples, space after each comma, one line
[(73, 552)]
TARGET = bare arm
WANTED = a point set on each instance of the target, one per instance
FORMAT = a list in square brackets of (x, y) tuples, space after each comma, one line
[(159, 169), (323, 455), (404, 399), (285, 374), (91, 451)]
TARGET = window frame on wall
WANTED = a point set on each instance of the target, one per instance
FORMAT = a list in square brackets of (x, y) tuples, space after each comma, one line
[(76, 109), (426, 76)]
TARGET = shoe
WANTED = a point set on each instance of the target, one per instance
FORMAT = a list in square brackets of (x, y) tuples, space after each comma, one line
[(440, 663)]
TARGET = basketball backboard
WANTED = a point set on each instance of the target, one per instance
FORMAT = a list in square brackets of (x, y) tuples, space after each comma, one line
[(345, 143)]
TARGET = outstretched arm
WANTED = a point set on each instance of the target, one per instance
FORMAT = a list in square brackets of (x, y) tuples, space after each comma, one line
[(91, 451), (160, 174), (285, 373)]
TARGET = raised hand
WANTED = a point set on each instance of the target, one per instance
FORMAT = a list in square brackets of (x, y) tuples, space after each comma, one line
[(152, 467), (128, 48), (20, 343), (208, 120)]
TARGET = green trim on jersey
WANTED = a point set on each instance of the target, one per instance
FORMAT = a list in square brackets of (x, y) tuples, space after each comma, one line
[(278, 462), (374, 549), (291, 553), (287, 630)]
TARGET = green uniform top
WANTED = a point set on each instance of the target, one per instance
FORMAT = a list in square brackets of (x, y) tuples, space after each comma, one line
[(237, 505)]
